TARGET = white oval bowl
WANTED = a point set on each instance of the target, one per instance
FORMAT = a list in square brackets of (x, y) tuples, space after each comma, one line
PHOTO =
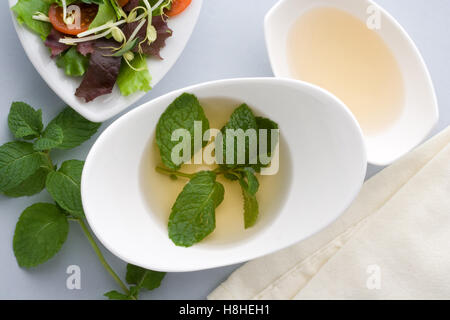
[(107, 106), (328, 165), (420, 112)]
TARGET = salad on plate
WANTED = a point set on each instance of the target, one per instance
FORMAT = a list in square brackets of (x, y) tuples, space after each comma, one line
[(104, 41)]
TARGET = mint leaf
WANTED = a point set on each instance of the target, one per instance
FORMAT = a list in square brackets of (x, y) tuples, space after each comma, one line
[(115, 295), (252, 182), (241, 118), (18, 161), (40, 233), (25, 9), (269, 125), (51, 138), (180, 114), (24, 122), (33, 185), (64, 187), (251, 209), (73, 62), (75, 128), (144, 278), (230, 176), (131, 81), (193, 214)]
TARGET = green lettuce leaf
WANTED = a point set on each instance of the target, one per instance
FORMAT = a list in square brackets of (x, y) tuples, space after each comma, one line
[(105, 13), (69, 2), (73, 62), (130, 81), (117, 9), (25, 9)]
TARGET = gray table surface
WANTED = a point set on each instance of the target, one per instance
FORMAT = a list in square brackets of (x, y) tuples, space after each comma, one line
[(227, 42)]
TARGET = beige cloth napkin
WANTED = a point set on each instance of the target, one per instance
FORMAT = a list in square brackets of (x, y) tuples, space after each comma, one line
[(392, 243)]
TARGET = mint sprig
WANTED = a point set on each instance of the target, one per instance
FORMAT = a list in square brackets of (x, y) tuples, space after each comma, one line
[(52, 137), (76, 129), (26, 168), (193, 215), (139, 279)]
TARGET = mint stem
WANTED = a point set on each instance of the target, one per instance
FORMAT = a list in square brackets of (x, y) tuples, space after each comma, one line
[(234, 172), (49, 161), (101, 257), (173, 172)]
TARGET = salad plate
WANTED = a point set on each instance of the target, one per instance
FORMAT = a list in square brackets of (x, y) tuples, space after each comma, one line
[(109, 105)]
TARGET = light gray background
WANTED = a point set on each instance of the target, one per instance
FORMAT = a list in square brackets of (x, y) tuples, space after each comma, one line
[(227, 42)]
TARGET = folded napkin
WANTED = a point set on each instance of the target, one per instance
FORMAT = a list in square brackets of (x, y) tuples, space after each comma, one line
[(392, 243)]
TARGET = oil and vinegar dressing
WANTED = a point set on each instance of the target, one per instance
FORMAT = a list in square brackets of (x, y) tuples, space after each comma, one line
[(161, 191), (338, 52)]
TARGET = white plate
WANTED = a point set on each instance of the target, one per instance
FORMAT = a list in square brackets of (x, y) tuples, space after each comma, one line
[(326, 167), (420, 112), (107, 106)]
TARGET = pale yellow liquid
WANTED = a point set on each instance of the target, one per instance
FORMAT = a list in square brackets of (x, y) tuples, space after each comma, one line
[(338, 52), (161, 191)]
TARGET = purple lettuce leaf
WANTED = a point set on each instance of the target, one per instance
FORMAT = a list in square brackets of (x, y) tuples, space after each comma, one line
[(52, 42), (86, 48), (102, 72), (163, 32)]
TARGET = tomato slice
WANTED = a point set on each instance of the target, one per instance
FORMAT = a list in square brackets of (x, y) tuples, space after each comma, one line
[(88, 13), (122, 2), (178, 6)]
